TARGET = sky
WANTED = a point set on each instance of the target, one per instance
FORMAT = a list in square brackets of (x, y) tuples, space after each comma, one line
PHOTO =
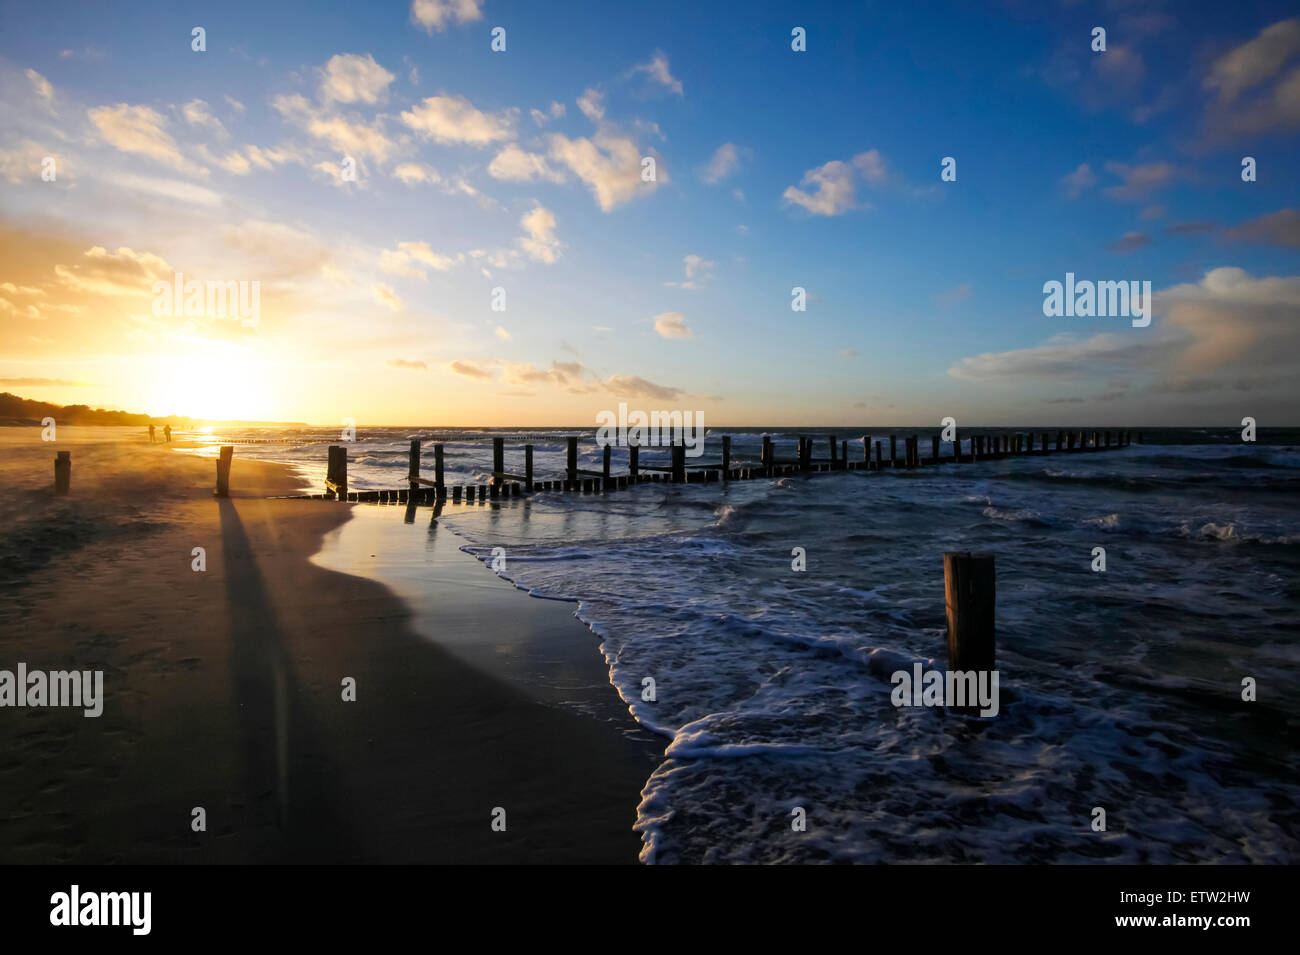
[(444, 233)]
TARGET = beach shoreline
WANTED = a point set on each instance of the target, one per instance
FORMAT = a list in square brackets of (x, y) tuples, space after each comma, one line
[(223, 687)]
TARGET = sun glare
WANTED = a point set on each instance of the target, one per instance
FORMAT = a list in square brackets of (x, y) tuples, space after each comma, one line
[(221, 384)]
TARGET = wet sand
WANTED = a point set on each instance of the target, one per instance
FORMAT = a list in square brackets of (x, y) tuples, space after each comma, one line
[(223, 687)]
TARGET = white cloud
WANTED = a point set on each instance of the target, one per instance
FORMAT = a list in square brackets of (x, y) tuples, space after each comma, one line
[(672, 325), (723, 164), (197, 113), (42, 86), (517, 165), (435, 15), (657, 70), (609, 163), (592, 105), (413, 172), (139, 129), (384, 295), (696, 267), (408, 258), (353, 78), (539, 242), (453, 119)]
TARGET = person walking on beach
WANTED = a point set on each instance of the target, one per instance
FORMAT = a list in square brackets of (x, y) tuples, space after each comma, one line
[(167, 433), (151, 434)]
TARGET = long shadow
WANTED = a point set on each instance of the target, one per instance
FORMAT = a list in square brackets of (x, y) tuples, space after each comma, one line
[(288, 776)]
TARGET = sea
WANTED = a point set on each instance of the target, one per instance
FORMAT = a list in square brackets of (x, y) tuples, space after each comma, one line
[(1147, 710)]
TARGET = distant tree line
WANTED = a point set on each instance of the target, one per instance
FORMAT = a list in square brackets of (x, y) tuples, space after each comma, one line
[(16, 410)]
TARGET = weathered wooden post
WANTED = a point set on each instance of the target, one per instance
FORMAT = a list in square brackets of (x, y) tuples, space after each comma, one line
[(866, 450), (437, 471), (1069, 438), (413, 478), (879, 453), (956, 447), (223, 470), (893, 450), (805, 453), (679, 463), (572, 469), (834, 458), (844, 455), (498, 462), (765, 457), (63, 473), (528, 468), (726, 457), (633, 462), (970, 595), (605, 467)]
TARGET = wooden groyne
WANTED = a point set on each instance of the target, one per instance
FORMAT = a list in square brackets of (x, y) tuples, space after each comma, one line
[(681, 470)]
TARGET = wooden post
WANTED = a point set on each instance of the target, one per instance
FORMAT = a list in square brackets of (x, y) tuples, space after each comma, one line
[(528, 468), (223, 470), (844, 455), (766, 456), (605, 468), (834, 458), (455, 494), (970, 594), (879, 465), (633, 462), (893, 450), (726, 457), (63, 472), (414, 477), (805, 453), (437, 470), (572, 469), (934, 448), (866, 450), (498, 463), (679, 463), (956, 446)]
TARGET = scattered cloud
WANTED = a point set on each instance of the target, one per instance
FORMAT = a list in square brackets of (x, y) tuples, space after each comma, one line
[(409, 365), (1139, 181), (454, 119), (1129, 242), (514, 164), (672, 325), (1278, 228), (469, 369), (835, 182), (384, 295), (657, 69), (539, 242), (1078, 181), (353, 78), (725, 161), (437, 15)]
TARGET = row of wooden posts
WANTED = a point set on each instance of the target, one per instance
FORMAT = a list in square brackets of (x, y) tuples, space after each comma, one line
[(969, 582), (509, 484)]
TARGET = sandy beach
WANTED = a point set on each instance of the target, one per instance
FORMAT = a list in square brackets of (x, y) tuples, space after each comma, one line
[(223, 687)]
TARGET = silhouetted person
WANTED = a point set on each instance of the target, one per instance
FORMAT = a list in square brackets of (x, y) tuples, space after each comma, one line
[(151, 434), (167, 433)]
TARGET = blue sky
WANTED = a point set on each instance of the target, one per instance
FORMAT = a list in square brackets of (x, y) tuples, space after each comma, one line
[(775, 169)]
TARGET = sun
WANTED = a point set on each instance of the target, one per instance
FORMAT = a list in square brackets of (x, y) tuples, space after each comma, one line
[(222, 383)]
